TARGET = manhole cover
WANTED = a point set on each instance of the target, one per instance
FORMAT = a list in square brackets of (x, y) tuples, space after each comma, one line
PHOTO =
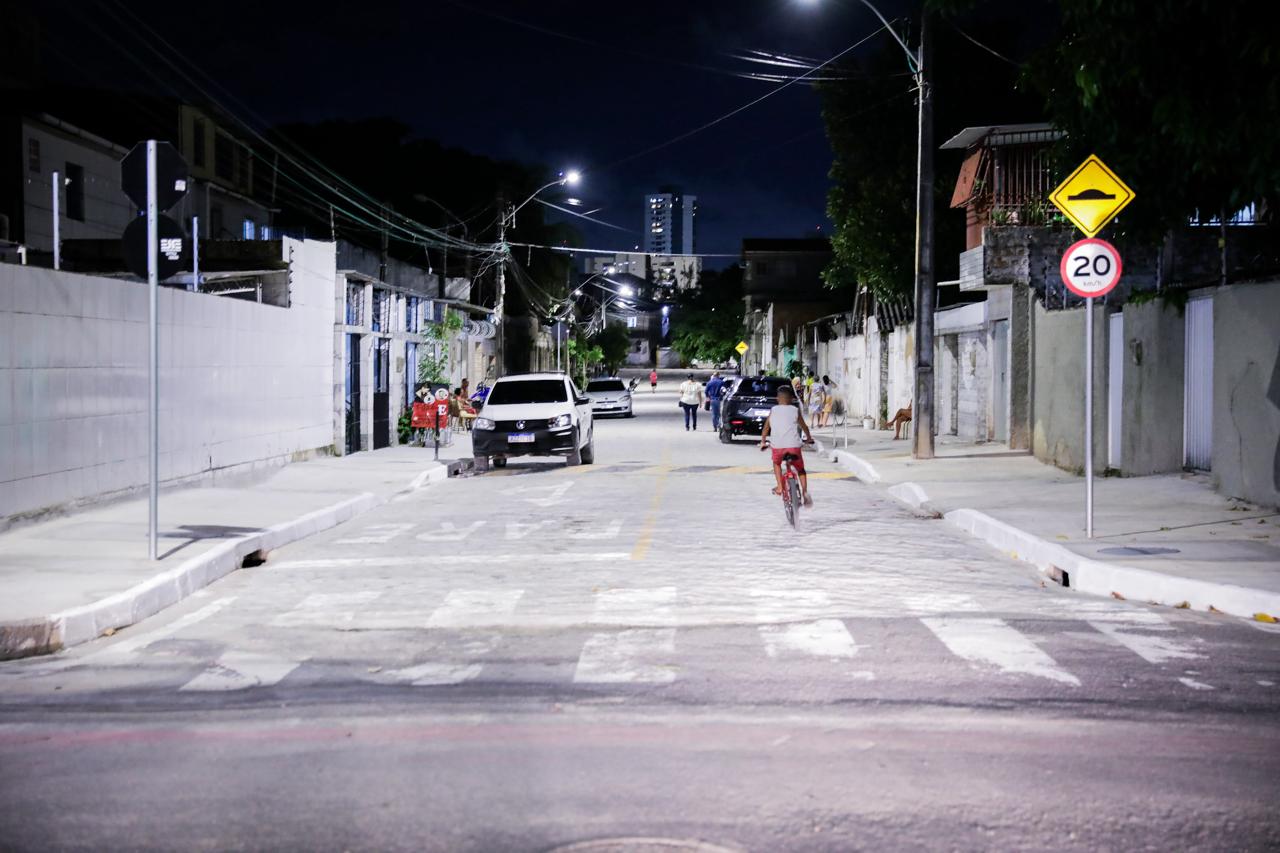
[(1137, 551), (642, 845)]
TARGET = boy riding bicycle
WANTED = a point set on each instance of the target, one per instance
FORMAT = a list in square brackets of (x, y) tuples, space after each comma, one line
[(785, 423)]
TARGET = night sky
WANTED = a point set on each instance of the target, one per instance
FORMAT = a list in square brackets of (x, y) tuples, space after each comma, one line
[(565, 83)]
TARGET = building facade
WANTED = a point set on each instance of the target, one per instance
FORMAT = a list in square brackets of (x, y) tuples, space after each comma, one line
[(670, 222)]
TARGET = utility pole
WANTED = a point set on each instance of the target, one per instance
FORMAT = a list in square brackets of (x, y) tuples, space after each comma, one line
[(57, 221), (500, 307), (922, 447)]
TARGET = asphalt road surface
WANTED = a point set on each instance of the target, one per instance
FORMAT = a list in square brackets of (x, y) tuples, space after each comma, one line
[(642, 648)]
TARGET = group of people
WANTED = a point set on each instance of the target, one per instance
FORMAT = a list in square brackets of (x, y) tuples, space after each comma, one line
[(816, 395)]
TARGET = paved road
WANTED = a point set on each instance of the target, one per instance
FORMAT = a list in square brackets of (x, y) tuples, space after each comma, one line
[(542, 655)]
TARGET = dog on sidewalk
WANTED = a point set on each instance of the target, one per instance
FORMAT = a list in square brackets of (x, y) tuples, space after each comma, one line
[(900, 420)]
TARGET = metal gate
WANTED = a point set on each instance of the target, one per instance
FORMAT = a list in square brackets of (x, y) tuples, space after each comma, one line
[(1197, 406), (1115, 387), (1000, 380), (352, 444), (381, 393)]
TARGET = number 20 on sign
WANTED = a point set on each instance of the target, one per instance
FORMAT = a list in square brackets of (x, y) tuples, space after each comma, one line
[(1090, 268)]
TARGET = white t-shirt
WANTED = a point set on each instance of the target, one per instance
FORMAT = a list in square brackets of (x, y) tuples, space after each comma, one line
[(784, 431), (690, 393)]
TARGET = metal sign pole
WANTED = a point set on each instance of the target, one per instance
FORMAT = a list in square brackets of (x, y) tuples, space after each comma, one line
[(195, 253), (1088, 417), (153, 402), (57, 222)]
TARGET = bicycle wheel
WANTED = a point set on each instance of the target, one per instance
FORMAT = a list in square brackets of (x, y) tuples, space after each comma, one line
[(793, 501)]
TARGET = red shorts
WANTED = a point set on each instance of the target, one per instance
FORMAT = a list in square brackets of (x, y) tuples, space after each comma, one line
[(797, 463)]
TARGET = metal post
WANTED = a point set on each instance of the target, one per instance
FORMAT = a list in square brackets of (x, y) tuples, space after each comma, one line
[(922, 419), (57, 221), (153, 401), (500, 308), (195, 253), (1088, 417)]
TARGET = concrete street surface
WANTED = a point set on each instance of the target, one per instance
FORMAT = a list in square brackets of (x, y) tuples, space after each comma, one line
[(643, 648)]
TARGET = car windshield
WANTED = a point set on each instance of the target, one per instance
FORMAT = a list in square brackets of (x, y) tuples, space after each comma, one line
[(606, 385), (763, 387), (516, 391)]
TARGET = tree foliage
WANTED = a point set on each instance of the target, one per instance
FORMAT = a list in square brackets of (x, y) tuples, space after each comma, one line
[(614, 343), (707, 321), (1180, 97)]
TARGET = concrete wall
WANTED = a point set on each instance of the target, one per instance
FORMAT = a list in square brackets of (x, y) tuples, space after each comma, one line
[(241, 384), (1057, 434), (1151, 413), (1246, 391)]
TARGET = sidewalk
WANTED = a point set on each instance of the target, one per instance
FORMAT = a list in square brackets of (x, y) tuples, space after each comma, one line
[(1167, 539), (69, 579)]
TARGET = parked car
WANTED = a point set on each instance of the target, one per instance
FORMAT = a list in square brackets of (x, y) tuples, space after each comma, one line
[(745, 407), (610, 396), (533, 414)]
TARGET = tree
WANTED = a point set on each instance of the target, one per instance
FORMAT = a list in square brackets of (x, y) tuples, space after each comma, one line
[(707, 321), (1180, 97), (614, 344)]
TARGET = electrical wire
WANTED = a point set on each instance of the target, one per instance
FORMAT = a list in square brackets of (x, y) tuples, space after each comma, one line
[(991, 51), (584, 216)]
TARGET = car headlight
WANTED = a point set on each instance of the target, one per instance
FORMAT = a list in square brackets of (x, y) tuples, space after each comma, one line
[(561, 421), (483, 423)]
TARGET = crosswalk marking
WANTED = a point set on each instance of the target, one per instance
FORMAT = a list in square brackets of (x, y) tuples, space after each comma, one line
[(237, 670), (466, 608), (635, 606), (824, 638), (994, 642), (426, 561), (326, 609), (637, 655), (1153, 648), (788, 605), (434, 674), (376, 534)]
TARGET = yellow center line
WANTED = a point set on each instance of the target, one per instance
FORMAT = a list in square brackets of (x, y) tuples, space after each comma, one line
[(663, 471)]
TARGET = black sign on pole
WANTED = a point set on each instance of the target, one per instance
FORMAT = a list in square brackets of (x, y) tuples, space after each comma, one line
[(173, 256), (171, 176)]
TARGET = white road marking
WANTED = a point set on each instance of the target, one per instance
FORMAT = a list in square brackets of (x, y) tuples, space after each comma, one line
[(240, 671), (553, 494), (376, 534), (519, 530), (638, 655), (1195, 685), (469, 608), (939, 602), (635, 606), (123, 651), (449, 532), (1151, 648), (327, 609), (434, 674), (427, 560), (993, 642), (788, 605), (825, 638), (610, 531)]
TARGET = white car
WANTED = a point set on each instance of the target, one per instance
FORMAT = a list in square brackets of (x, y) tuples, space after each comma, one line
[(533, 414), (610, 396)]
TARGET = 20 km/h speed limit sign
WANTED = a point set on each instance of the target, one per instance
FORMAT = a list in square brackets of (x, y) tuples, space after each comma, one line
[(1090, 268)]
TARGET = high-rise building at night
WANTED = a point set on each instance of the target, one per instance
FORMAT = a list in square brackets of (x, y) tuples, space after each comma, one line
[(670, 222)]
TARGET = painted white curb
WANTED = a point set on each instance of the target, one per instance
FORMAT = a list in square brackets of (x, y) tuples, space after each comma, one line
[(910, 494), (864, 470)]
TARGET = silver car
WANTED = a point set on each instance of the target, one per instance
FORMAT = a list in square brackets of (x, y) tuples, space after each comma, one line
[(610, 396)]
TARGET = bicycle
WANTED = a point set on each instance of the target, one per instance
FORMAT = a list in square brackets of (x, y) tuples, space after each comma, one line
[(791, 498)]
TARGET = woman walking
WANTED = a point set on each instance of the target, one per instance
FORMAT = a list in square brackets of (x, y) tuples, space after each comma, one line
[(817, 399), (690, 401), (829, 400)]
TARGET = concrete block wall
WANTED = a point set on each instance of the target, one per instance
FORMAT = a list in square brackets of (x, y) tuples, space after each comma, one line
[(1057, 424), (1153, 376), (241, 384), (1246, 391)]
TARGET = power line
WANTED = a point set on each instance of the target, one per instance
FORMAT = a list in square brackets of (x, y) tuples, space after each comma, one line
[(997, 55)]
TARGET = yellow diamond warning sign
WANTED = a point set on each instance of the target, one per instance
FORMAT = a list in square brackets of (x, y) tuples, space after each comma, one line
[(1091, 196), (742, 347)]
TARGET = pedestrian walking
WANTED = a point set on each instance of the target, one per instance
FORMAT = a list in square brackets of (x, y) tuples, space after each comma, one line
[(817, 399), (715, 393), (690, 401), (829, 404), (653, 381)]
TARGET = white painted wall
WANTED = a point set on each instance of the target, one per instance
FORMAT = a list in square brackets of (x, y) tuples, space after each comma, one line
[(241, 384)]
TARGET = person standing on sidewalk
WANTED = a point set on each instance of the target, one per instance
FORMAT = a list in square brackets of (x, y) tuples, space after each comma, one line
[(715, 392), (690, 400), (653, 381)]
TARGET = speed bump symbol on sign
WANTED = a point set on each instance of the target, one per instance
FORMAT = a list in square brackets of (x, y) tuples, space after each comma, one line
[(1092, 196), (742, 347)]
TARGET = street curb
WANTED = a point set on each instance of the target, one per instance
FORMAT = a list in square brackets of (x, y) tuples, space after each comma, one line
[(1076, 571), (46, 635)]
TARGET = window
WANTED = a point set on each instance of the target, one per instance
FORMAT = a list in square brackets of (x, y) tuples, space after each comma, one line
[(75, 192), (631, 322), (224, 157), (381, 306), (33, 155), (606, 385), (355, 303), (381, 362), (508, 392), (412, 313), (198, 152), (248, 229), (215, 222), (264, 233)]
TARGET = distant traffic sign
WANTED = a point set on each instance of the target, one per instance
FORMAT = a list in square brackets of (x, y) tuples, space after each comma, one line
[(1090, 268), (172, 247), (1092, 196), (742, 347), (171, 175)]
